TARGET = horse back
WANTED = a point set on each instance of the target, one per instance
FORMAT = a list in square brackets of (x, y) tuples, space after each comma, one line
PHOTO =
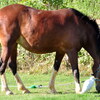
[(35, 29)]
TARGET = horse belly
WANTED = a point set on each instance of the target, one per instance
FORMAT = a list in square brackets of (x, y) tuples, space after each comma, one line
[(35, 48)]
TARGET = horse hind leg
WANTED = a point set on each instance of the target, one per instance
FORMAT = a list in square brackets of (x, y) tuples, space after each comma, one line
[(13, 67), (20, 84), (57, 63)]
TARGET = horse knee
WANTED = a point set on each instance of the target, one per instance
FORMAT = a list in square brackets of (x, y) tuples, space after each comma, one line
[(2, 71), (13, 67), (2, 67)]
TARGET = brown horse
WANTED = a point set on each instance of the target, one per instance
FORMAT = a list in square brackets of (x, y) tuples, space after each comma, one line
[(63, 31)]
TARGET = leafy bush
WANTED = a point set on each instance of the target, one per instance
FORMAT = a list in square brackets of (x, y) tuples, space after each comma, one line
[(89, 7), (7, 2)]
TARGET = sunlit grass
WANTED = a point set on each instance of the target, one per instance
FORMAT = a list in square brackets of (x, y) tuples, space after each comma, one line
[(66, 91)]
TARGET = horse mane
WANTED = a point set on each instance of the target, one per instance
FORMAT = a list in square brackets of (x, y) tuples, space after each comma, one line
[(87, 19)]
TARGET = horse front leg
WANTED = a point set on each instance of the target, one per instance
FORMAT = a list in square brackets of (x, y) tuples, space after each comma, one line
[(13, 67), (4, 85), (5, 54), (57, 63), (73, 58), (92, 50)]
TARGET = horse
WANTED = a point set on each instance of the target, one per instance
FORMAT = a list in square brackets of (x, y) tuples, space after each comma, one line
[(64, 31)]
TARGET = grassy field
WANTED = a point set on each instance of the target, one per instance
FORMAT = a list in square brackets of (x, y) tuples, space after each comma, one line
[(67, 91)]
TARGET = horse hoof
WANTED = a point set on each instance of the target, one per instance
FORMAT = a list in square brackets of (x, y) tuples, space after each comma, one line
[(52, 92), (78, 92), (26, 91), (9, 93)]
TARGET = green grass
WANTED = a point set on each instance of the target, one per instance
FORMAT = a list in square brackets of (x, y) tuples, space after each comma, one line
[(42, 93)]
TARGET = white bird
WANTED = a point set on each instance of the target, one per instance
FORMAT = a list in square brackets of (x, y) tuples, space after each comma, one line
[(88, 84)]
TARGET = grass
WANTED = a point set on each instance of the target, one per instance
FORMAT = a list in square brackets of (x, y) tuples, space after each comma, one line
[(42, 93)]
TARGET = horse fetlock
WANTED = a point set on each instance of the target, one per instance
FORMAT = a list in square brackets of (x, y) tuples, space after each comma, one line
[(20, 87), (8, 92), (26, 91), (23, 89), (4, 89), (52, 89), (78, 90)]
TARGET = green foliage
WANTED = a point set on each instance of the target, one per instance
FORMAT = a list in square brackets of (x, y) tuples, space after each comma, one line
[(53, 4), (34, 63), (84, 58), (37, 63), (7, 2), (89, 7), (33, 3)]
